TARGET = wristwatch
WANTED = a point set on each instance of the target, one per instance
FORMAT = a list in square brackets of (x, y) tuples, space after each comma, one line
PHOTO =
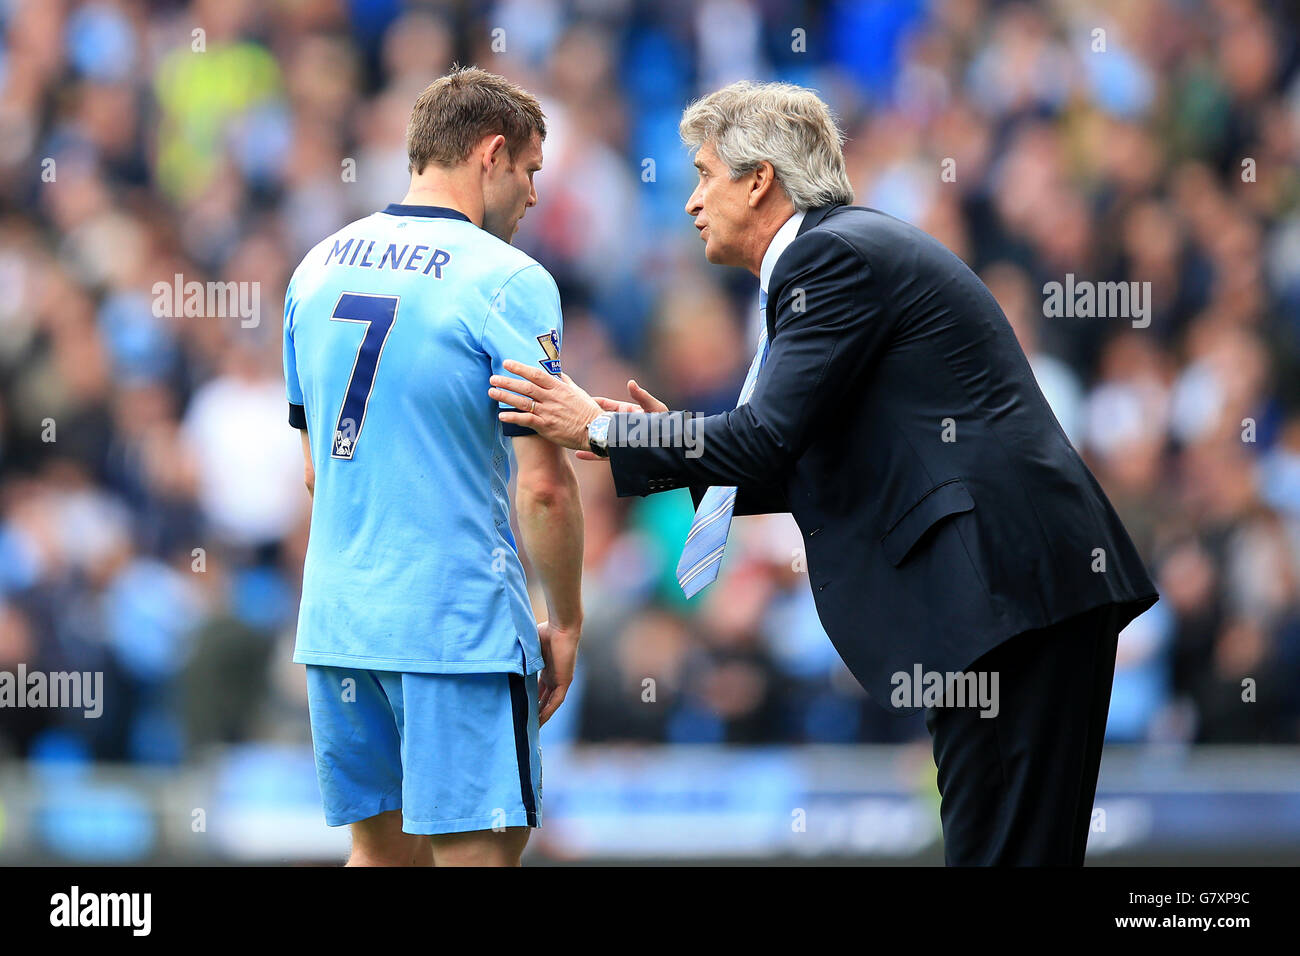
[(598, 434)]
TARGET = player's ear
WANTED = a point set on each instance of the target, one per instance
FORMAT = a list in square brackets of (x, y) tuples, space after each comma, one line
[(495, 152)]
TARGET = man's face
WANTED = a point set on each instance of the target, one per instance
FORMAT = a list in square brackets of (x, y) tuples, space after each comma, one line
[(509, 192), (720, 208)]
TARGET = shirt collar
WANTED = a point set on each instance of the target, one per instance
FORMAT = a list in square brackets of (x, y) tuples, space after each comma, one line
[(784, 236), (428, 212)]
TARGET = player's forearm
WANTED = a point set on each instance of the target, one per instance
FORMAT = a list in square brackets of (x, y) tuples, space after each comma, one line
[(550, 526), (308, 469)]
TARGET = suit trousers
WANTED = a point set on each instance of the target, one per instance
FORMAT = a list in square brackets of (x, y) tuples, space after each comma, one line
[(1017, 788)]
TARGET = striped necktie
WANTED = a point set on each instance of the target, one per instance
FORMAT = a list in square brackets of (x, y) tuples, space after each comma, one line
[(702, 553)]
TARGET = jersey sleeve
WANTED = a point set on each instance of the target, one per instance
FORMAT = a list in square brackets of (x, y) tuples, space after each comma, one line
[(292, 388), (524, 324)]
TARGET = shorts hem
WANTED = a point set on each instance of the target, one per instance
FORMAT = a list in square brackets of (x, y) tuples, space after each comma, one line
[(338, 818), (515, 818)]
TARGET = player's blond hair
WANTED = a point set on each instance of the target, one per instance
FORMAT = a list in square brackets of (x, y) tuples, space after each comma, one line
[(787, 125), (456, 111)]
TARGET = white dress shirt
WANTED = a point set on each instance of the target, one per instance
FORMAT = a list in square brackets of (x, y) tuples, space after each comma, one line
[(784, 236)]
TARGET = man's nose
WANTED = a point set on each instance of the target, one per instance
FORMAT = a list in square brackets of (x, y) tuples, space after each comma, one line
[(532, 196), (693, 205)]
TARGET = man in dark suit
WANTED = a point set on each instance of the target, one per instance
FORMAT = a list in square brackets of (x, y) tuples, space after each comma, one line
[(948, 523)]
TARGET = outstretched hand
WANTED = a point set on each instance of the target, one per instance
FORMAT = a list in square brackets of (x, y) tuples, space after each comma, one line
[(556, 408), (644, 402)]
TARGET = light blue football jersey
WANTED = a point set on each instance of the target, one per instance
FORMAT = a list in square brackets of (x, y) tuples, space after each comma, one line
[(392, 327)]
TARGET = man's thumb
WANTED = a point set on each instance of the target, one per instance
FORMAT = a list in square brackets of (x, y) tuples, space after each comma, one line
[(644, 398)]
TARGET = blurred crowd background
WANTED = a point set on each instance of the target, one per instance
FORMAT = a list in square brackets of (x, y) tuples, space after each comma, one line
[(159, 536)]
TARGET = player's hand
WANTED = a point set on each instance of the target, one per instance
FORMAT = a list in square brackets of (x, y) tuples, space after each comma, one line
[(556, 408), (559, 655), (644, 402)]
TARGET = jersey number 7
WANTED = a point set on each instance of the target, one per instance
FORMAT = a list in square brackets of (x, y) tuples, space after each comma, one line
[(378, 313)]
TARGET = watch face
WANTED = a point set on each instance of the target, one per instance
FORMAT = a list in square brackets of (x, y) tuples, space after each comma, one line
[(598, 435)]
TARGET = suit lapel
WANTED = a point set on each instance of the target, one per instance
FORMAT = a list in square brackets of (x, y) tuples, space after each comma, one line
[(811, 218)]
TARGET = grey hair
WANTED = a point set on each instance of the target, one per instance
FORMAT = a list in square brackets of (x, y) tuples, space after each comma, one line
[(787, 125)]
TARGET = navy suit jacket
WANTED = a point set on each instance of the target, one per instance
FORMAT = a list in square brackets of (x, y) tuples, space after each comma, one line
[(942, 508)]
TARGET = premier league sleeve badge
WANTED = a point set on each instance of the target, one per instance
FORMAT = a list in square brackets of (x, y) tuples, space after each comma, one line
[(550, 343)]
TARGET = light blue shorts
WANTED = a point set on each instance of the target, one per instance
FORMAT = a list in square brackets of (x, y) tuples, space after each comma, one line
[(453, 752)]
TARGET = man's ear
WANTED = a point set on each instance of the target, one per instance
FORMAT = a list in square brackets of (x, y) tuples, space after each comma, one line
[(494, 145), (764, 180)]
